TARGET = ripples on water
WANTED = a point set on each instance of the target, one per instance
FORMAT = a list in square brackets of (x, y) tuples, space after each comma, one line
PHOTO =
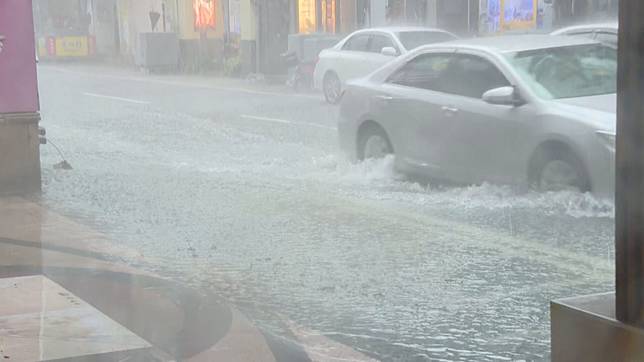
[(266, 221)]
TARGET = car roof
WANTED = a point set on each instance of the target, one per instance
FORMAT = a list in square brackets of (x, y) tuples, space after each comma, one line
[(610, 25), (513, 43)]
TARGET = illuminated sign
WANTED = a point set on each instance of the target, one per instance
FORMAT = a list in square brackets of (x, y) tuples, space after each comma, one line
[(72, 46), (518, 14), (307, 16), (205, 14), (493, 13), (328, 15)]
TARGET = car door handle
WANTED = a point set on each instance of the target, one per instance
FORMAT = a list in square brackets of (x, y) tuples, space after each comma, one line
[(449, 110)]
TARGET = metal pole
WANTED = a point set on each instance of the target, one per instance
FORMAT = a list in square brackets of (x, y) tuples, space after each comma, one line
[(469, 25), (629, 199)]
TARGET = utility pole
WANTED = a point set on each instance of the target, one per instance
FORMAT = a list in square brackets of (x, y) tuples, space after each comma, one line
[(629, 200)]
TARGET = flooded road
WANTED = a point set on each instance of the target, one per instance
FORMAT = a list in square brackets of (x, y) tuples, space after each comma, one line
[(242, 188)]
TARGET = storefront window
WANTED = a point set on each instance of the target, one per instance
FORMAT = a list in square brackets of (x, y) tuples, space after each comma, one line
[(307, 16)]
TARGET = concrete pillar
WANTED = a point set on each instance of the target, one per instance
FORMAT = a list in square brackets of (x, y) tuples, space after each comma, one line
[(432, 18), (629, 203), (19, 108), (378, 13), (248, 43)]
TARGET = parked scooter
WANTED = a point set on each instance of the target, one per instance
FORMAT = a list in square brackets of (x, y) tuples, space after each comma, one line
[(302, 57), (300, 73)]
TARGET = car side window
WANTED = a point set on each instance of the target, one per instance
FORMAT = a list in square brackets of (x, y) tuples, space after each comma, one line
[(425, 71), (586, 34), (357, 43), (607, 38), (471, 76), (380, 41)]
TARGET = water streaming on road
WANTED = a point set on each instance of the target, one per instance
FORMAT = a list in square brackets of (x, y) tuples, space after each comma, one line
[(274, 218)]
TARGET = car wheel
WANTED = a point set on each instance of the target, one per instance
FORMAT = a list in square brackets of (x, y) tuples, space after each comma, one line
[(332, 88), (562, 173), (374, 143)]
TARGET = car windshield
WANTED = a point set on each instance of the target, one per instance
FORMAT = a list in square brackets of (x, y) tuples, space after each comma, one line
[(414, 39), (568, 72)]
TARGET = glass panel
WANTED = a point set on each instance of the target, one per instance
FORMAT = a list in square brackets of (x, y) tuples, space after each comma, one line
[(425, 71), (569, 72), (607, 38), (307, 16), (380, 41), (359, 43), (471, 76)]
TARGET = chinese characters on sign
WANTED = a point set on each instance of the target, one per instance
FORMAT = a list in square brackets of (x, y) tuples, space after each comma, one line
[(508, 15), (72, 46), (205, 14)]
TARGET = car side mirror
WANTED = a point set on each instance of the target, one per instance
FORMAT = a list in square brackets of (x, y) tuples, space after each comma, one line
[(389, 51), (505, 96)]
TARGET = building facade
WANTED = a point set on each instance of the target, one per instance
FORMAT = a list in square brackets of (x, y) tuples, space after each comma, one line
[(249, 36)]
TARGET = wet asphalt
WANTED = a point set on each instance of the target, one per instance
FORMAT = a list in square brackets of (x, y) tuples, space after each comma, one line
[(241, 189)]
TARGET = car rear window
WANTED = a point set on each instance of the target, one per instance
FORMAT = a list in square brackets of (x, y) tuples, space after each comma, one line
[(414, 39)]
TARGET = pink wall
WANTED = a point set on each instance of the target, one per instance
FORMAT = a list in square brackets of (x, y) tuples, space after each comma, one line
[(18, 82)]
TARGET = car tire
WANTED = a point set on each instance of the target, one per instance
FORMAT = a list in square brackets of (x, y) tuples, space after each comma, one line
[(373, 143), (332, 88), (558, 170)]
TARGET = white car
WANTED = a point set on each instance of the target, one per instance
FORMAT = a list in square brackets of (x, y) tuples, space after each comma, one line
[(366, 50), (605, 33)]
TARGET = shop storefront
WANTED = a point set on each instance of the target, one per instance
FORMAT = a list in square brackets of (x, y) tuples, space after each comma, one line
[(63, 29), (509, 15), (542, 15), (317, 16), (374, 13)]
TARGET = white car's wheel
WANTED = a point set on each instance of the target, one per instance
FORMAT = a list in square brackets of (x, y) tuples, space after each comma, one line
[(332, 87)]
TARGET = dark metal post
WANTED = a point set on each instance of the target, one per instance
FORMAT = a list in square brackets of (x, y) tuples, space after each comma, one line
[(629, 200)]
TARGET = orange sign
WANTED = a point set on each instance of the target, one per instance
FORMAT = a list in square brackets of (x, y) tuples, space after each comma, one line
[(205, 14)]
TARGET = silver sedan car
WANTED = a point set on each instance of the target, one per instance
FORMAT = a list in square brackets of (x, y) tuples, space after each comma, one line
[(536, 110)]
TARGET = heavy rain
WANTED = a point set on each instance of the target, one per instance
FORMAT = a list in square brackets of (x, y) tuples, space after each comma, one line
[(222, 146)]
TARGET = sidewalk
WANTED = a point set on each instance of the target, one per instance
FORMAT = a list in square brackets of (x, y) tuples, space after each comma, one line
[(252, 83), (66, 293)]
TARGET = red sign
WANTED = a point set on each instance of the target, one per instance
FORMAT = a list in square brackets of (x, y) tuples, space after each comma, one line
[(51, 46), (205, 14), (18, 83), (91, 41)]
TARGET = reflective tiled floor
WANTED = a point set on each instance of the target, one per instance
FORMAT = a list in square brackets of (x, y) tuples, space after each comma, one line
[(40, 320)]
